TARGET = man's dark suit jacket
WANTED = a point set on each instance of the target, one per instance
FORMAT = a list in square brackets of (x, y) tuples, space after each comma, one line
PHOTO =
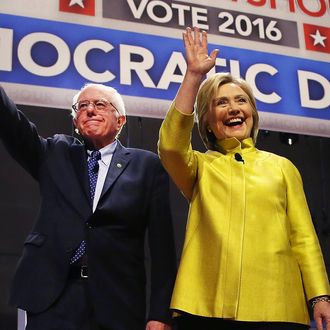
[(135, 197)]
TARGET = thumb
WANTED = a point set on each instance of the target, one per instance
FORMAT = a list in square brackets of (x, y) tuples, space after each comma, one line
[(214, 54)]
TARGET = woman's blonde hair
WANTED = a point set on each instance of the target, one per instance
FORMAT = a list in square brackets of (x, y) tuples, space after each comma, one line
[(205, 97)]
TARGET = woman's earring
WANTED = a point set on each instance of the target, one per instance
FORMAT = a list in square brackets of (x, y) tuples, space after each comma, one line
[(76, 130), (209, 129)]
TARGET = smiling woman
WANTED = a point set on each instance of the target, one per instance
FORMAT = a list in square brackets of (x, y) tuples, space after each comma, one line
[(226, 108), (251, 255)]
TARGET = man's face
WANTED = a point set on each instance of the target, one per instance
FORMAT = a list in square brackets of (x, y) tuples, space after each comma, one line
[(97, 119)]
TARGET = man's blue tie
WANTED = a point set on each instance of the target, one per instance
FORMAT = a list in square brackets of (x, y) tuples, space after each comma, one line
[(93, 169)]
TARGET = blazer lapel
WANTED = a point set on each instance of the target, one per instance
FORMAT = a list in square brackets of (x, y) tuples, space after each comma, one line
[(119, 162)]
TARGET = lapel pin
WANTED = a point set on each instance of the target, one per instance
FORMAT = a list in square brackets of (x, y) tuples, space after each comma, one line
[(119, 165)]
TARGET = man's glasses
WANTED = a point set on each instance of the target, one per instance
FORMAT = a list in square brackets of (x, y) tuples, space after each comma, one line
[(99, 105)]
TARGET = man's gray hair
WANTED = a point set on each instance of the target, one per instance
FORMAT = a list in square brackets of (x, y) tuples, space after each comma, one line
[(112, 94)]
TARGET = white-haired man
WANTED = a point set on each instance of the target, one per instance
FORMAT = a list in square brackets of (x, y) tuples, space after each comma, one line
[(83, 264)]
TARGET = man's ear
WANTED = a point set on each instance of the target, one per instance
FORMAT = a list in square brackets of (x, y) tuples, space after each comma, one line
[(74, 121), (121, 120)]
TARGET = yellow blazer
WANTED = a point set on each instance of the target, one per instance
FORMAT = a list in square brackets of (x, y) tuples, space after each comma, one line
[(250, 250)]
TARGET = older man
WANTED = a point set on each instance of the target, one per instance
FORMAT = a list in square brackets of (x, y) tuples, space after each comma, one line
[(83, 264)]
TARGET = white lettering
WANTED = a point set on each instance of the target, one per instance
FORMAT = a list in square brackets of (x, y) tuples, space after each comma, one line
[(164, 13), (137, 12), (304, 77), (24, 54), (218, 62), (181, 9), (176, 61), (80, 62), (6, 49), (235, 68), (140, 68), (197, 17), (137, 65), (250, 77), (151, 12)]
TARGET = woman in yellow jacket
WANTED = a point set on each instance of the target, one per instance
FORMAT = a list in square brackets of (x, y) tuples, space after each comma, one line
[(251, 258)]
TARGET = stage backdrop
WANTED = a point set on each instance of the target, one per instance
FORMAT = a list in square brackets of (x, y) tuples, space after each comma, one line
[(49, 49)]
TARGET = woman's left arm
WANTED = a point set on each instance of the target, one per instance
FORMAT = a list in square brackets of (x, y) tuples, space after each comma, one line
[(303, 238)]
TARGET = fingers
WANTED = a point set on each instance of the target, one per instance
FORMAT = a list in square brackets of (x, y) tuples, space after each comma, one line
[(204, 39), (196, 36), (199, 38), (318, 323), (196, 47), (191, 38), (187, 37)]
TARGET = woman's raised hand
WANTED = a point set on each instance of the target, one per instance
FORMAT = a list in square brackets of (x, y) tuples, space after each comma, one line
[(197, 57), (199, 62)]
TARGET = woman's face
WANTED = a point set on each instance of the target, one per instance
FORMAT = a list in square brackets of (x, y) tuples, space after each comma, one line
[(231, 113)]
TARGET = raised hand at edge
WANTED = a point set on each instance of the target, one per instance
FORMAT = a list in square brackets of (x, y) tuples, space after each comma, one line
[(199, 62)]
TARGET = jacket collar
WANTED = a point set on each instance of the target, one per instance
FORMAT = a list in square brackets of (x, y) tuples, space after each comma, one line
[(233, 145)]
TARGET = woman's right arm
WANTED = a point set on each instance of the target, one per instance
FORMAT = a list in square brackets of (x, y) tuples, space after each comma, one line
[(199, 62), (174, 145)]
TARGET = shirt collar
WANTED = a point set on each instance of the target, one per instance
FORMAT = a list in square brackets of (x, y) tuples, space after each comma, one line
[(106, 152)]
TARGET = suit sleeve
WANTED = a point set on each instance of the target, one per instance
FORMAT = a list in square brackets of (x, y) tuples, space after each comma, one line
[(19, 135), (162, 248)]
